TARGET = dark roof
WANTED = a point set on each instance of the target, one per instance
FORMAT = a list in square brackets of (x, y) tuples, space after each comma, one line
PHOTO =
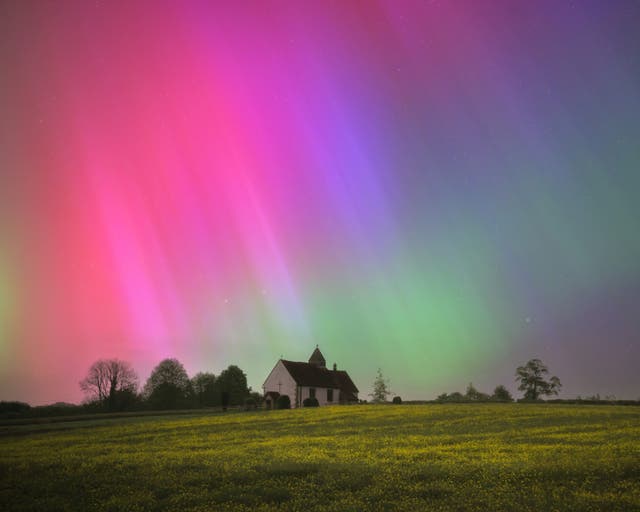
[(346, 396), (306, 374), (345, 382)]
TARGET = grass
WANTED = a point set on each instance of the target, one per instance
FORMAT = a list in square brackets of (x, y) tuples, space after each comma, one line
[(455, 457)]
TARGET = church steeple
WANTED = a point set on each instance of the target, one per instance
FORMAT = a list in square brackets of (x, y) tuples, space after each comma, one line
[(317, 359)]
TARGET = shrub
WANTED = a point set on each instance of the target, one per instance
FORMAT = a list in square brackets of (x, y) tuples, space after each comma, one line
[(396, 400), (501, 394), (257, 397), (283, 402), (250, 404), (310, 402), (473, 395), (14, 407), (456, 396)]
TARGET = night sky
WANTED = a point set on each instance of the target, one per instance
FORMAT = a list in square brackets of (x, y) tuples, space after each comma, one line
[(440, 189)]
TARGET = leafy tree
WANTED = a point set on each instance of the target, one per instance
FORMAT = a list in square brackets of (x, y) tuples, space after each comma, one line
[(473, 395), (167, 396), (257, 397), (532, 379), (501, 394), (233, 381), (204, 388), (108, 380), (456, 396), (168, 386), (380, 389)]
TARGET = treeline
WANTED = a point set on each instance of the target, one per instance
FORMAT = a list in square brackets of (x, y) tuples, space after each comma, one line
[(112, 385), (532, 380), (500, 394)]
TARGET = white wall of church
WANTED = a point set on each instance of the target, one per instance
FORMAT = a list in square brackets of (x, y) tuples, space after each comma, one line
[(321, 395), (282, 382)]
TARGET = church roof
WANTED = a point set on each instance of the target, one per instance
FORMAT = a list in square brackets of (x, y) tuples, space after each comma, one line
[(307, 374)]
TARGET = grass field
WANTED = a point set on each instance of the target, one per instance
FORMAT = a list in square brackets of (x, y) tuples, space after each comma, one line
[(433, 457)]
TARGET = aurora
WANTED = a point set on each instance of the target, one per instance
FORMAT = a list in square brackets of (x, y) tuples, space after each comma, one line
[(440, 189)]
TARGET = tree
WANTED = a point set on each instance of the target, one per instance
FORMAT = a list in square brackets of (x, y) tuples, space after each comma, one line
[(108, 380), (501, 394), (532, 379), (473, 395), (380, 388), (233, 382), (257, 397), (204, 388), (456, 396), (250, 404), (168, 386)]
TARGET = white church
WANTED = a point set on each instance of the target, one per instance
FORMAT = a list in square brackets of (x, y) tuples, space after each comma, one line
[(300, 380)]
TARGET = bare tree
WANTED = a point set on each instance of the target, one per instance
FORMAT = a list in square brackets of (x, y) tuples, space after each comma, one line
[(106, 378)]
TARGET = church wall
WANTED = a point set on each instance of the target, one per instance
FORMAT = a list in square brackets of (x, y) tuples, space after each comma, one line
[(321, 395), (280, 381)]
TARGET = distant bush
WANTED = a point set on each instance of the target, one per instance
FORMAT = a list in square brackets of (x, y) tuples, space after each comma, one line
[(587, 402), (283, 402), (456, 396), (396, 400), (14, 407), (57, 409), (259, 399), (250, 404), (501, 394), (310, 402), (473, 395)]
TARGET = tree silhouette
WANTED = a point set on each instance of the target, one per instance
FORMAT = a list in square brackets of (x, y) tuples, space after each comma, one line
[(473, 395), (233, 382), (532, 379), (204, 388), (168, 386), (380, 388), (501, 394), (107, 379)]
